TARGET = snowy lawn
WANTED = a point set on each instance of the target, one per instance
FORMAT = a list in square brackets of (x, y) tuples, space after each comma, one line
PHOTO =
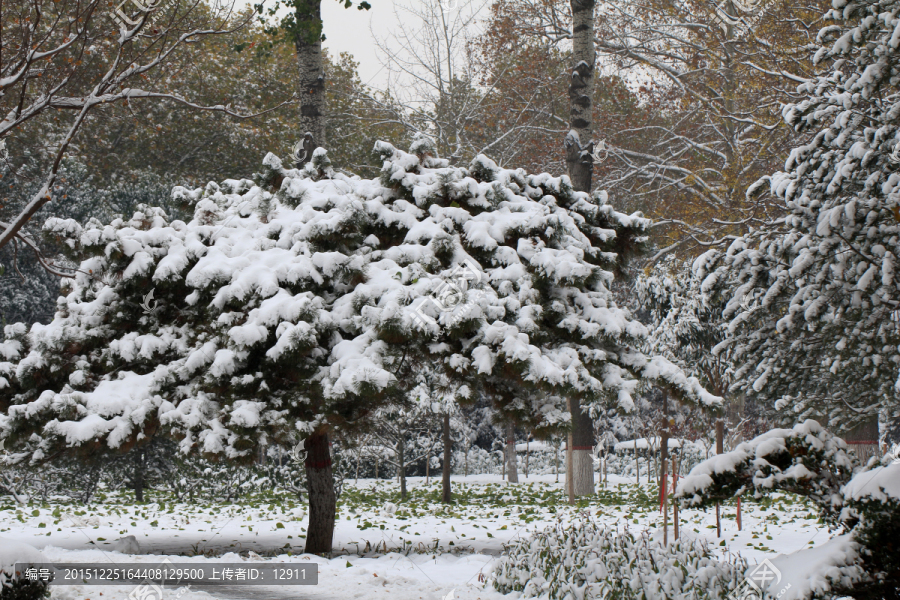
[(419, 549)]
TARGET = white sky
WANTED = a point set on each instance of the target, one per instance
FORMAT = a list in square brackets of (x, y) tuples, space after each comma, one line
[(350, 30)]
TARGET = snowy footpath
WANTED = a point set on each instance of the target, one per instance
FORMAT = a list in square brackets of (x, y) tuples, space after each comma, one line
[(417, 550)]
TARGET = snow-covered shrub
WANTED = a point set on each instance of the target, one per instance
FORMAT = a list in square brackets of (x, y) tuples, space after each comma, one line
[(23, 589), (14, 586), (479, 461), (862, 502), (586, 561)]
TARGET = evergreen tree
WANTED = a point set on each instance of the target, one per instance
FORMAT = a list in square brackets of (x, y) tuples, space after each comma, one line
[(293, 306), (814, 299)]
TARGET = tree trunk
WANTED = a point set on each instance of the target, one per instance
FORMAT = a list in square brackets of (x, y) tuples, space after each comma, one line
[(556, 460), (582, 445), (527, 455), (446, 494), (720, 449), (663, 458), (675, 504), (322, 500), (570, 485), (578, 143), (401, 468), (637, 464), (511, 453), (311, 71), (863, 439), (138, 475)]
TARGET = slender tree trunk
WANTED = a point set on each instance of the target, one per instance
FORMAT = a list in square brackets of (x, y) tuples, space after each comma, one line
[(427, 468), (674, 503), (556, 459), (570, 484), (578, 143), (527, 454), (511, 453), (311, 71), (322, 500), (138, 474), (663, 458), (582, 445), (637, 464), (401, 468), (446, 494), (720, 449)]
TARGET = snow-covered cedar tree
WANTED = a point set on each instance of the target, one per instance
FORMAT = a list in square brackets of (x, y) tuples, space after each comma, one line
[(581, 559), (818, 332), (862, 502), (298, 304)]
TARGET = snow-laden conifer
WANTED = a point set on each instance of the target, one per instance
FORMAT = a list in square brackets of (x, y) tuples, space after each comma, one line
[(295, 304), (815, 302), (861, 502)]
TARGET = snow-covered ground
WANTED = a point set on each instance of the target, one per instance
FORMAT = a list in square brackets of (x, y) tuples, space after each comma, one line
[(412, 551)]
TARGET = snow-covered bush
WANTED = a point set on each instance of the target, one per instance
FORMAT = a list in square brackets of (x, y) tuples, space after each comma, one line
[(13, 585), (862, 502), (478, 461), (587, 561)]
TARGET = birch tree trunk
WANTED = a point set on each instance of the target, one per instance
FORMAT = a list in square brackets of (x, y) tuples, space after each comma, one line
[(578, 144), (582, 445), (511, 453), (311, 71)]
